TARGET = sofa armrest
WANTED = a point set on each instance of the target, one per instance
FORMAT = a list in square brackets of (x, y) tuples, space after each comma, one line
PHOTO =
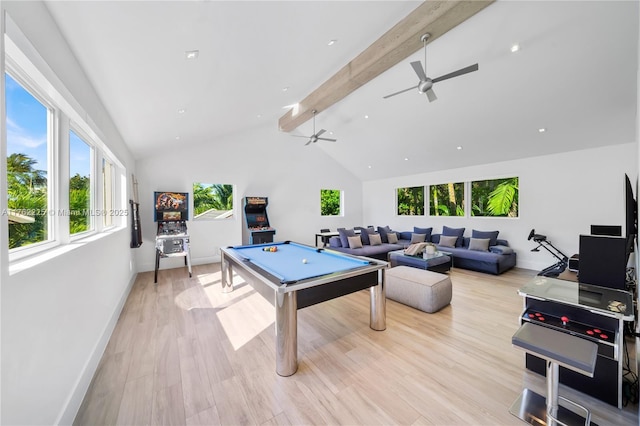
[(500, 249), (500, 242)]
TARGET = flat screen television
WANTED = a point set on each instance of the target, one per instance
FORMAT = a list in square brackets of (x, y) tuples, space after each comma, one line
[(171, 206), (631, 215)]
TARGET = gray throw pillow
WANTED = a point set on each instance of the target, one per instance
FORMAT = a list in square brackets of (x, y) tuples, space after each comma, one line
[(355, 242), (417, 238), (447, 241), (479, 244), (392, 237), (375, 239)]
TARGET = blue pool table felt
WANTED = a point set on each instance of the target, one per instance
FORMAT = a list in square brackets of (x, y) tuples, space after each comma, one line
[(286, 263)]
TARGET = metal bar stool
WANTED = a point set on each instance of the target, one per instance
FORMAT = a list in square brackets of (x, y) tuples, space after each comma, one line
[(557, 349)]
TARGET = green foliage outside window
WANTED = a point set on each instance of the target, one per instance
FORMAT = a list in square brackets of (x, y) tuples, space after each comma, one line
[(79, 204), (27, 196), (411, 201), (495, 197), (212, 201), (447, 199), (330, 202)]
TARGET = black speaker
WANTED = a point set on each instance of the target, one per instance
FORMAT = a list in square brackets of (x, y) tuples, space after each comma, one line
[(603, 261)]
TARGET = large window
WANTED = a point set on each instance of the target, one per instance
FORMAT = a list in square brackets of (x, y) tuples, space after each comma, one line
[(330, 202), (80, 185), (410, 201), (212, 201), (495, 197), (447, 199), (29, 133), (52, 155)]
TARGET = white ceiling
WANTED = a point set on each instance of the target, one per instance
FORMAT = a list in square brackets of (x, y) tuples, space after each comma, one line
[(575, 75)]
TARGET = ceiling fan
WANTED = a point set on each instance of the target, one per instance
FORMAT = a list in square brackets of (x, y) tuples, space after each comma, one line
[(315, 137), (425, 85)]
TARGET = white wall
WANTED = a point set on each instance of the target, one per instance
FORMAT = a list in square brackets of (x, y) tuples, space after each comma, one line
[(57, 315), (279, 167), (560, 196)]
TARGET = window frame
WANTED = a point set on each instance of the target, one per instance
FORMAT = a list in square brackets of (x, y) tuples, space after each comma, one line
[(53, 119), (92, 184)]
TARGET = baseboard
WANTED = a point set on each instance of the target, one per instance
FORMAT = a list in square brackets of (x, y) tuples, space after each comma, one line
[(72, 405)]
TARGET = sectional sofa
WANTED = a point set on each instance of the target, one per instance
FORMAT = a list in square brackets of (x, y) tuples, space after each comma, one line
[(481, 251)]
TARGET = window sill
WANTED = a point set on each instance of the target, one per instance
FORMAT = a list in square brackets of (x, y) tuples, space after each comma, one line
[(24, 263)]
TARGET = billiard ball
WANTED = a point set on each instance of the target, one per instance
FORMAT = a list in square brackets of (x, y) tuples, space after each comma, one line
[(304, 260)]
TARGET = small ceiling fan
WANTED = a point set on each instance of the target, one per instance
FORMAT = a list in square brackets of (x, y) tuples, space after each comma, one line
[(315, 137), (425, 85)]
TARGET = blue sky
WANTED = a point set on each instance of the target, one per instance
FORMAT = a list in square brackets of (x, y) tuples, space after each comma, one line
[(27, 130)]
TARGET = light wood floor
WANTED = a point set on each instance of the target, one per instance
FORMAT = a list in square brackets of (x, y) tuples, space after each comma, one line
[(184, 353)]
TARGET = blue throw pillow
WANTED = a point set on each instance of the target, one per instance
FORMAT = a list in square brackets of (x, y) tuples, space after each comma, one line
[(491, 235), (364, 234), (454, 232), (344, 236), (382, 230), (426, 231)]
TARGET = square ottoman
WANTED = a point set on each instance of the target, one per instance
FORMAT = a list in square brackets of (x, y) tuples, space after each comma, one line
[(418, 288)]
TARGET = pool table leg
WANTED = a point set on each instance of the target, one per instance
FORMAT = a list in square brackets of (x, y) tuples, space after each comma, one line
[(378, 319), (227, 275), (286, 333)]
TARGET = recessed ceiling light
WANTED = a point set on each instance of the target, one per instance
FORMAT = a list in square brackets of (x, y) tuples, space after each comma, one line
[(192, 54), (177, 138), (542, 130), (515, 47), (459, 148), (259, 116), (330, 132), (366, 116), (406, 159), (182, 111), (369, 166), (331, 42), (284, 89)]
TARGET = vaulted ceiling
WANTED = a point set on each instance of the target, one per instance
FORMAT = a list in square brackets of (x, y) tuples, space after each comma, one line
[(575, 75)]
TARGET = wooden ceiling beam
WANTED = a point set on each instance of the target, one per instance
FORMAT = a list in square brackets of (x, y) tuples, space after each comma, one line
[(397, 44)]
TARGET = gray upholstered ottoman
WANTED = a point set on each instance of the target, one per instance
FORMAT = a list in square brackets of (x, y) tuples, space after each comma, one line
[(418, 288)]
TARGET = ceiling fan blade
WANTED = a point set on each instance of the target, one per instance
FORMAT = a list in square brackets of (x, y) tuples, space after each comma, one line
[(431, 95), (461, 71), (326, 139), (417, 67), (299, 136), (402, 91), (320, 132), (307, 142)]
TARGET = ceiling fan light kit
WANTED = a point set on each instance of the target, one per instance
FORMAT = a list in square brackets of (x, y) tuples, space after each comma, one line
[(315, 137), (425, 84)]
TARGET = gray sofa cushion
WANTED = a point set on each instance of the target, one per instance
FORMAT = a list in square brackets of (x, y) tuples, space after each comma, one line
[(479, 244), (448, 241), (364, 234), (375, 239), (382, 230), (492, 235), (454, 232)]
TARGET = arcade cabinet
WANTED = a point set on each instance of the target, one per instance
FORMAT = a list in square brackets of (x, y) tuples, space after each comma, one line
[(172, 237), (257, 229)]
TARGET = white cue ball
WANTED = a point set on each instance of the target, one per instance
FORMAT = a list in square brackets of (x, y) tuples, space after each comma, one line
[(304, 260)]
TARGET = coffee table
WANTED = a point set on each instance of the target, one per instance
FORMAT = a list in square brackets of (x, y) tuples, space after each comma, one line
[(440, 261)]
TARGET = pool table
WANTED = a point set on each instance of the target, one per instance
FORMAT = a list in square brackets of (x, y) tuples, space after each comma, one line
[(295, 276)]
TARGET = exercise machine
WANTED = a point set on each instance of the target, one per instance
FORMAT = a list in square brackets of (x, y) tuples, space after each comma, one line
[(563, 261)]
